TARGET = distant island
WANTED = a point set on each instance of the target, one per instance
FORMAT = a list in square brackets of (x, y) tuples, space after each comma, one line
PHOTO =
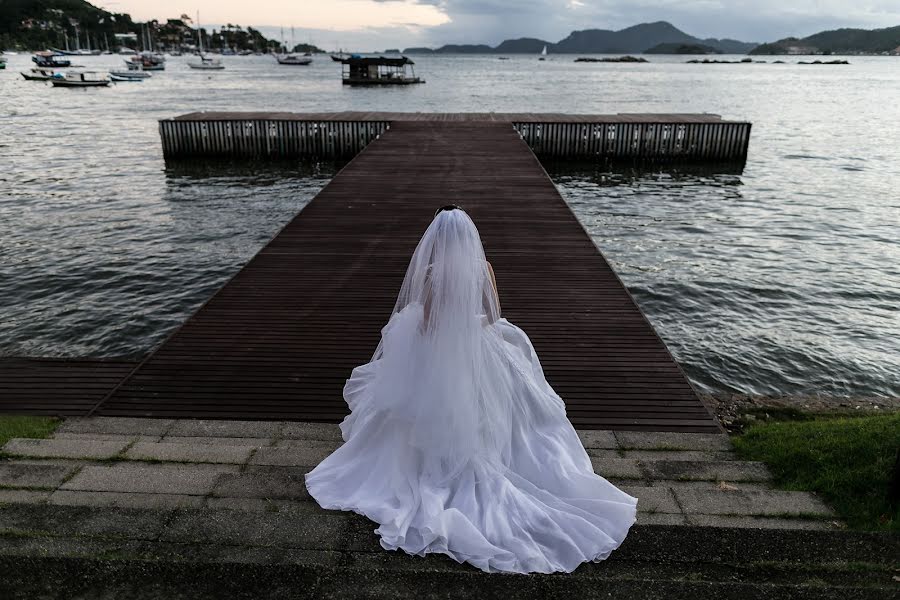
[(661, 36), (669, 48), (837, 41), (79, 25)]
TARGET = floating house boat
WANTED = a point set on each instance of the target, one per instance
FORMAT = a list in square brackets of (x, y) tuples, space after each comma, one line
[(50, 60), (379, 70)]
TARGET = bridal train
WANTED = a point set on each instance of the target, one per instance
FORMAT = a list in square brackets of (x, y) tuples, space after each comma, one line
[(456, 443)]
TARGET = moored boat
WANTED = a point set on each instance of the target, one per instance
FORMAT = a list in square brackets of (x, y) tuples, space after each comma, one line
[(294, 59), (147, 61), (80, 79), (207, 63), (50, 60), (379, 70), (38, 74)]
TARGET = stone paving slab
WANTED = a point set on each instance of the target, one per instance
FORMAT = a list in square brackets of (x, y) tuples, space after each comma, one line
[(602, 453), (712, 486), (191, 479), (644, 518), (17, 474), (24, 496), (242, 504), (768, 503), (653, 499), (105, 437), (115, 425), (330, 445), (252, 442), (622, 468), (724, 470), (692, 455), (257, 529), (290, 457), (201, 453), (125, 500), (263, 482), (659, 440), (64, 448), (81, 521), (760, 522), (215, 428), (598, 439), (311, 431)]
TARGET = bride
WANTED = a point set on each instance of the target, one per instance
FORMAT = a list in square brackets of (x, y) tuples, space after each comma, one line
[(456, 443)]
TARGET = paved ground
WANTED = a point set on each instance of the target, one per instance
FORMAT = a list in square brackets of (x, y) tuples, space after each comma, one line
[(143, 509), (679, 479)]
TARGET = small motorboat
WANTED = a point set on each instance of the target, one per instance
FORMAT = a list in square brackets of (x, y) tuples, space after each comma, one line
[(128, 75), (38, 74), (207, 64), (147, 61), (135, 72), (80, 79), (294, 59), (50, 60)]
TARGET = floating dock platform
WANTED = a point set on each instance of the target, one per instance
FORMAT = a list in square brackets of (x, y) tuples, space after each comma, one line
[(273, 135), (279, 339)]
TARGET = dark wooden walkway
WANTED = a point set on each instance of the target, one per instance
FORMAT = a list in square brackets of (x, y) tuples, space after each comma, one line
[(280, 338), (58, 386)]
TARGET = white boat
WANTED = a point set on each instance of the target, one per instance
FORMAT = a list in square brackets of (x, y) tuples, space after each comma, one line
[(205, 63), (294, 59), (80, 79), (543, 54), (129, 75)]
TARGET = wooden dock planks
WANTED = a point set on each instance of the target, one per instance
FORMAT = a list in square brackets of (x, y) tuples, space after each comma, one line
[(279, 339), (58, 386)]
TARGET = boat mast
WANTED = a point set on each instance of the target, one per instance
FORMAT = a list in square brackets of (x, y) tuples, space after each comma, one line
[(200, 34)]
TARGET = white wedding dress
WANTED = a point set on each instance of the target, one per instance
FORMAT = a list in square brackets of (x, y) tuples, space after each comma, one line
[(456, 443)]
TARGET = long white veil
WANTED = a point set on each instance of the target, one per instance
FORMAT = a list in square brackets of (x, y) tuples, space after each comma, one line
[(436, 367)]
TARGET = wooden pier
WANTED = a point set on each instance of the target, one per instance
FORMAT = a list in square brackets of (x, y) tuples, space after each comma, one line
[(658, 137), (281, 337)]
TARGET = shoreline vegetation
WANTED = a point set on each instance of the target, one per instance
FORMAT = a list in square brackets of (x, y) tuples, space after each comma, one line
[(852, 462), (29, 25)]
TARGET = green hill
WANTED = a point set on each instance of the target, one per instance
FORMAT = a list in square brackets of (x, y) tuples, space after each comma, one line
[(837, 41), (38, 24)]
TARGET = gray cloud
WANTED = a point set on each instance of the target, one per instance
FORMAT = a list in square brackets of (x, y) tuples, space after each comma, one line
[(491, 21)]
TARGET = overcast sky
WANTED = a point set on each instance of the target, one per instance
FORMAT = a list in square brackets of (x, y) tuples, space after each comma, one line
[(379, 24)]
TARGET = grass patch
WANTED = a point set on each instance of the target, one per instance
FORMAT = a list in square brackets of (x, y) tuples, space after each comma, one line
[(846, 460), (26, 427)]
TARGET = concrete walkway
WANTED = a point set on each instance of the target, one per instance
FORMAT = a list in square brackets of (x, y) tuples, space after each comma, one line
[(151, 508), (679, 479)]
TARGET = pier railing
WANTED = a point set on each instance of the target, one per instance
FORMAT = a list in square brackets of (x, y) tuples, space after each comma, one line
[(691, 137)]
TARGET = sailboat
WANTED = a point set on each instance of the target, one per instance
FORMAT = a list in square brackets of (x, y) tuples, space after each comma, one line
[(543, 54), (205, 63), (292, 58)]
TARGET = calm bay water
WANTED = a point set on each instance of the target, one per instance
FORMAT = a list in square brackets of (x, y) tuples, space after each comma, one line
[(784, 278)]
